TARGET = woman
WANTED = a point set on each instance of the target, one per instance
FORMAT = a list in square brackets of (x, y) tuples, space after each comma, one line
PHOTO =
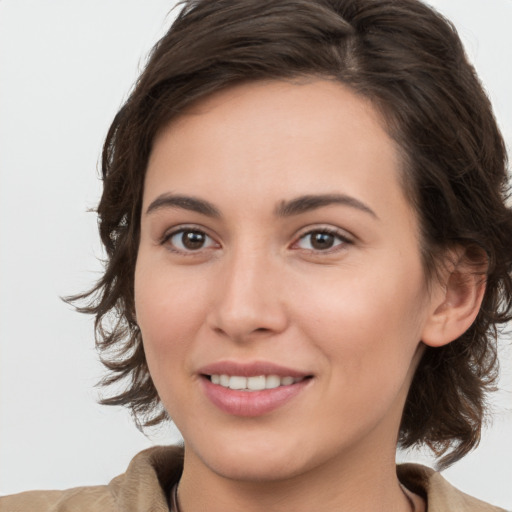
[(309, 255)]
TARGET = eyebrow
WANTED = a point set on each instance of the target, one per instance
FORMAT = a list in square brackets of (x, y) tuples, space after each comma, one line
[(312, 202), (295, 206), (184, 202)]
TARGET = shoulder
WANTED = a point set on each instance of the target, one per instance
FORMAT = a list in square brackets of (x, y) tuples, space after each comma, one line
[(441, 496), (143, 487), (79, 498)]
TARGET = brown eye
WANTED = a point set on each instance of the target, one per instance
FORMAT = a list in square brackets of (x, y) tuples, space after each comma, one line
[(187, 240), (192, 239), (321, 240)]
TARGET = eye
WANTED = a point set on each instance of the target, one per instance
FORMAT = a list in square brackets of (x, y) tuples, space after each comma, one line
[(321, 240), (188, 240)]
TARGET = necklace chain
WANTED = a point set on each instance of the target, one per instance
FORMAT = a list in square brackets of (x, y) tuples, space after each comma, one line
[(174, 499), (407, 495)]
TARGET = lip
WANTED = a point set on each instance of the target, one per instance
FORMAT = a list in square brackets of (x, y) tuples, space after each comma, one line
[(251, 403), (251, 369)]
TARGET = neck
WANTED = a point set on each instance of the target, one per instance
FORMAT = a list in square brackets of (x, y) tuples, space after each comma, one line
[(354, 484)]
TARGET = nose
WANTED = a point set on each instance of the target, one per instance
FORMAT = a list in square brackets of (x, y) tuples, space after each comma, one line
[(249, 300)]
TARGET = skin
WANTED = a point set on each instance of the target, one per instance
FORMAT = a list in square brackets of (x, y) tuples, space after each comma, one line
[(353, 316)]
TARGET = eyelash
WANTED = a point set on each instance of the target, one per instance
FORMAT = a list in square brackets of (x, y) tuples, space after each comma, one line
[(166, 240), (342, 239)]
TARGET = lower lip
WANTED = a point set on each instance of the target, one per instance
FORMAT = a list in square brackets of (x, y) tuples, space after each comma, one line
[(251, 403)]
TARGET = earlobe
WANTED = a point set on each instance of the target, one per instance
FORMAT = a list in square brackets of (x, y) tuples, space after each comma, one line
[(456, 300)]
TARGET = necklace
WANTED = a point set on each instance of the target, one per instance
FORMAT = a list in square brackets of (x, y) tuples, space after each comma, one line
[(176, 508), (174, 499), (407, 495)]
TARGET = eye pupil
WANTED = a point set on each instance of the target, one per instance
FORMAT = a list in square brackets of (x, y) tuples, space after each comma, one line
[(193, 239), (322, 241)]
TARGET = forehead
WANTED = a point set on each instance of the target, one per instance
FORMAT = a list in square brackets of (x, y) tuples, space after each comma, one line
[(298, 105), (254, 113), (276, 138)]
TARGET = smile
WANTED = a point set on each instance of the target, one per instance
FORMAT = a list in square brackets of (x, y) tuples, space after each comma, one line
[(252, 388), (255, 383)]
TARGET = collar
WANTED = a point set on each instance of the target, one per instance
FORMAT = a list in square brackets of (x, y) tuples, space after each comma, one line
[(146, 484)]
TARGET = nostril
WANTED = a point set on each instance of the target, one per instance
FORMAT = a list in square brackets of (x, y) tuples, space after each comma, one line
[(241, 320)]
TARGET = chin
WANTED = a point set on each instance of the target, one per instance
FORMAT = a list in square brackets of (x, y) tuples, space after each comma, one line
[(257, 459), (259, 468)]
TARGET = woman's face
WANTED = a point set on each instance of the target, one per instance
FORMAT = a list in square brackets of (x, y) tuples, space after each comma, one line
[(278, 253)]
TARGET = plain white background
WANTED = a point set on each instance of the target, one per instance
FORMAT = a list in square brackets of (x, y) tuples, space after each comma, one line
[(65, 68)]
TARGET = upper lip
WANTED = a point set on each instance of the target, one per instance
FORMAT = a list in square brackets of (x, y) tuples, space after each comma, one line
[(250, 369)]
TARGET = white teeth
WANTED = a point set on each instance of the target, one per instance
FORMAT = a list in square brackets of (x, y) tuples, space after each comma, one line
[(256, 383), (286, 381), (236, 382), (273, 381)]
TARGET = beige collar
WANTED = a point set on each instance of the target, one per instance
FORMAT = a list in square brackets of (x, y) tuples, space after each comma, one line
[(152, 473)]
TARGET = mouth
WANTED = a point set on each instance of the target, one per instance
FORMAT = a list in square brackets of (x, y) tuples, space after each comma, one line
[(254, 383), (252, 389)]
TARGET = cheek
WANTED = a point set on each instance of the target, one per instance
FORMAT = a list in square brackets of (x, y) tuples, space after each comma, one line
[(170, 310), (368, 324)]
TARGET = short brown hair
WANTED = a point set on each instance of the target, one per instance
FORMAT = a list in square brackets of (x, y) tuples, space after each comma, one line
[(409, 61)]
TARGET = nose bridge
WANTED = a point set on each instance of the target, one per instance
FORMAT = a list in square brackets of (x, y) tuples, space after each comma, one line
[(250, 297)]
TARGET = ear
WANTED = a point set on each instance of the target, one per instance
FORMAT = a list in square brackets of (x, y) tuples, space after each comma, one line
[(456, 296)]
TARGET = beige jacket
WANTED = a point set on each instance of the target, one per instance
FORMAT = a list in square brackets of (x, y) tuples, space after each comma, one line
[(152, 472)]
